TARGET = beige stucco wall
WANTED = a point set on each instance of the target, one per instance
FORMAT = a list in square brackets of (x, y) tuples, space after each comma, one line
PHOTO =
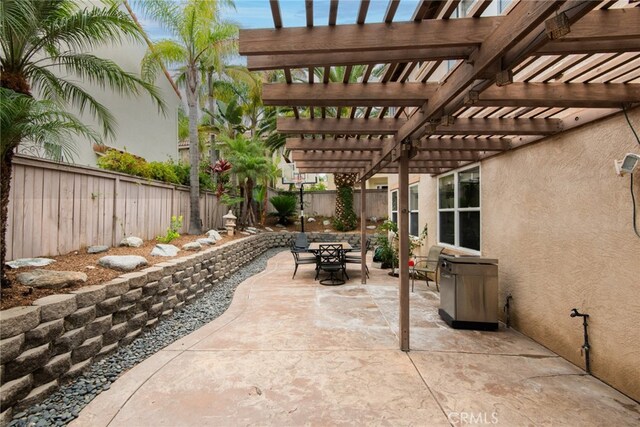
[(558, 218)]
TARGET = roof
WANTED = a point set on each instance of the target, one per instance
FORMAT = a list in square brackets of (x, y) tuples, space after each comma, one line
[(451, 91)]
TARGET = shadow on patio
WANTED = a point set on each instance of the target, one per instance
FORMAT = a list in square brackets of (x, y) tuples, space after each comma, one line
[(298, 353)]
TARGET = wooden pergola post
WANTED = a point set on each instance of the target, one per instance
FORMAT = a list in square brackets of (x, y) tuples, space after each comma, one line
[(363, 231), (403, 258)]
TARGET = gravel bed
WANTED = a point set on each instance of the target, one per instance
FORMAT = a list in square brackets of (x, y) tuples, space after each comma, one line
[(65, 404)]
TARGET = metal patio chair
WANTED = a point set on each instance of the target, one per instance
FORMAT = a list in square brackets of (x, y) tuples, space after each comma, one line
[(427, 267), (331, 260), (301, 257)]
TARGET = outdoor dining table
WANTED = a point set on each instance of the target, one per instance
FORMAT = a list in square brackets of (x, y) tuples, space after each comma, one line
[(315, 246)]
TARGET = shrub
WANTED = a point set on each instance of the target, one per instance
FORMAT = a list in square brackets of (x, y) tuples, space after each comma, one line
[(124, 162), (182, 172), (163, 172), (172, 231), (285, 206)]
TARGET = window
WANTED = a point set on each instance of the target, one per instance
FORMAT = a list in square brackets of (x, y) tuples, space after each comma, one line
[(459, 209), (413, 210), (394, 206)]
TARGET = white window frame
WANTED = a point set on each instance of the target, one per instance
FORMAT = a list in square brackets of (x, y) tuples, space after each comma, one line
[(391, 205), (456, 210), (416, 210)]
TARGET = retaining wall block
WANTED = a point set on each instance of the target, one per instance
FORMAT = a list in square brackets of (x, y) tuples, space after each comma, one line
[(155, 310), (150, 288), (56, 306), (53, 369), (109, 306), (128, 339), (18, 320), (80, 318), (26, 363), (76, 370), (36, 395), (138, 321), (99, 326), (87, 349), (116, 287), (168, 268), (153, 273), (132, 296), (115, 334), (178, 276), (136, 279), (12, 391), (10, 348), (144, 304), (68, 341), (105, 351), (124, 314), (43, 334), (90, 295)]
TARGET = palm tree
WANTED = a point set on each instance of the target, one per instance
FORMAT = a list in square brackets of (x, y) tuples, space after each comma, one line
[(196, 29), (38, 38), (249, 165)]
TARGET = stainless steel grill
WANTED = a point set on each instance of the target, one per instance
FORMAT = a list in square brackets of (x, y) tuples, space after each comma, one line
[(469, 292)]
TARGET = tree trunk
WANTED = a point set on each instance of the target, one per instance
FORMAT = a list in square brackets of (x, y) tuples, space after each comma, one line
[(213, 109), (249, 217), (345, 218), (195, 224), (5, 188)]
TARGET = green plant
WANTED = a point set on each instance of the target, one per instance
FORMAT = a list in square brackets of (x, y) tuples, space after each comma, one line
[(347, 220), (163, 171), (124, 162), (172, 231), (285, 206), (319, 186)]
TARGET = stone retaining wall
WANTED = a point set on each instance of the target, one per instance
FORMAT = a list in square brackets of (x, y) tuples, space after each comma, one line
[(58, 336)]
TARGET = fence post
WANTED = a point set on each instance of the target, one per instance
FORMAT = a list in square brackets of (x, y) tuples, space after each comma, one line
[(114, 228)]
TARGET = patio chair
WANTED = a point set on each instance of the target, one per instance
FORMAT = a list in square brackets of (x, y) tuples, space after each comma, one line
[(427, 267), (331, 260), (300, 257), (355, 256), (301, 241)]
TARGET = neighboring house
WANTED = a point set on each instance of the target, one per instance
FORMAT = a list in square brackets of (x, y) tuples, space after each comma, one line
[(559, 220), (140, 128)]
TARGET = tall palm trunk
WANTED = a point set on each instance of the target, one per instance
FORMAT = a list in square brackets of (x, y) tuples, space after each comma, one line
[(345, 218), (5, 188), (248, 215), (195, 224), (213, 109)]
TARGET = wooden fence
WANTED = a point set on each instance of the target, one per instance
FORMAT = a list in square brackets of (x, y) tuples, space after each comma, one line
[(323, 203), (58, 208)]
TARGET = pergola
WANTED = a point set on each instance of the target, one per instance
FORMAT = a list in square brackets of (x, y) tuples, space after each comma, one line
[(540, 68)]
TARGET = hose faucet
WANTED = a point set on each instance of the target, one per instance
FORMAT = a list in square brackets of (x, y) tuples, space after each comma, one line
[(585, 347)]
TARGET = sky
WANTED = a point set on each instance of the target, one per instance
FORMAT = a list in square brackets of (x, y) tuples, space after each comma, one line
[(257, 14)]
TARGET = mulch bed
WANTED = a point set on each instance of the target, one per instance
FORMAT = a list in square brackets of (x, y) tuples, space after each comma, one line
[(19, 295)]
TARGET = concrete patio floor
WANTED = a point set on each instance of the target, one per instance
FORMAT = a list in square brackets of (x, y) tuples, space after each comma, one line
[(294, 352)]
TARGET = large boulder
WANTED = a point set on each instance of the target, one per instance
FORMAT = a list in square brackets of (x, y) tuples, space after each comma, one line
[(132, 242), (193, 246), (164, 250), (97, 249), (30, 262), (213, 234), (122, 262), (49, 279)]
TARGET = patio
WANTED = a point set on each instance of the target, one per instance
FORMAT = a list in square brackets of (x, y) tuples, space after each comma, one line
[(298, 353)]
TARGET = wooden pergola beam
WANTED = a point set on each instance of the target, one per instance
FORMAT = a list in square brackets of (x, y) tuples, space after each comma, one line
[(346, 157), (389, 126), (429, 164), (562, 95), (354, 144), (370, 37), (349, 95), (303, 60)]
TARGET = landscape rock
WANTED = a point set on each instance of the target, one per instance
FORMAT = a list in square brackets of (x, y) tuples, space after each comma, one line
[(193, 246), (97, 249), (373, 219), (251, 231), (327, 230), (268, 228), (280, 226), (18, 320), (326, 222), (245, 233), (56, 306), (371, 227), (213, 234), (49, 279), (30, 262), (132, 242), (122, 262), (164, 250), (311, 219), (206, 241)]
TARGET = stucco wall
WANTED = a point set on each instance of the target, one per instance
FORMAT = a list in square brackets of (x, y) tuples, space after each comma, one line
[(559, 220)]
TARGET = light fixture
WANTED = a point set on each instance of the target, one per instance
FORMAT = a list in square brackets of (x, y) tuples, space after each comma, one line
[(557, 26), (627, 165)]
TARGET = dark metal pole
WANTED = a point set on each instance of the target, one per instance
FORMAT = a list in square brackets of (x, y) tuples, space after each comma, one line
[(301, 209)]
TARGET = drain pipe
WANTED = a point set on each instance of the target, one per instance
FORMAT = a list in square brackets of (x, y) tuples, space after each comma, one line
[(506, 308), (585, 347)]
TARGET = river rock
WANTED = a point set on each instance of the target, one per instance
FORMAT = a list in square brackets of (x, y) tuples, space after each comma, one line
[(97, 249), (268, 228), (49, 279), (164, 250), (122, 262), (193, 246), (30, 262), (371, 227), (132, 242), (311, 219), (206, 241), (280, 226), (213, 234), (326, 222)]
